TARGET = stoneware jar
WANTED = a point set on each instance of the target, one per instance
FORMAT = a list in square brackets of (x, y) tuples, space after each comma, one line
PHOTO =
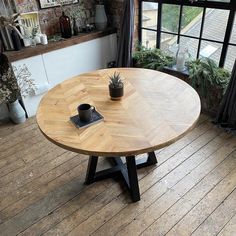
[(100, 17), (17, 113), (4, 113)]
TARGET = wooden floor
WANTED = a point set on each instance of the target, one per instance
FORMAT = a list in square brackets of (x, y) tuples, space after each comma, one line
[(192, 190)]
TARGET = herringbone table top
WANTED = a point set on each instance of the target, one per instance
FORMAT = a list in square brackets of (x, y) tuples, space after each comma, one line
[(157, 109)]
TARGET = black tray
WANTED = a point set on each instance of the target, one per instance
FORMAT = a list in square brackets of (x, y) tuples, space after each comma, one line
[(96, 117)]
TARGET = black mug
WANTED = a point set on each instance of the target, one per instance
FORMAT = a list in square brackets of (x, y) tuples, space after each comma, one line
[(86, 112)]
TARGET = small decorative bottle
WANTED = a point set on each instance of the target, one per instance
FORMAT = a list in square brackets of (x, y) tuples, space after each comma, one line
[(65, 26), (44, 39), (75, 27), (180, 58)]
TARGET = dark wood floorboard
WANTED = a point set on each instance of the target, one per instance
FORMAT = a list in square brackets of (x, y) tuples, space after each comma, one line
[(191, 191)]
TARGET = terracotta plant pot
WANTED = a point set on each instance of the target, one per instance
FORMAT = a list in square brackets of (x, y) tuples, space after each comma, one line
[(116, 93)]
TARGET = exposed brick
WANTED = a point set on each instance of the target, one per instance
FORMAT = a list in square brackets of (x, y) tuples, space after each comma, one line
[(49, 18)]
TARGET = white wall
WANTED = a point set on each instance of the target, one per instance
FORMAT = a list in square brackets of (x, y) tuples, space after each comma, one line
[(51, 68), (38, 74)]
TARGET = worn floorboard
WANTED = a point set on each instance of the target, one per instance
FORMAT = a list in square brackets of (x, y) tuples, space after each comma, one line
[(191, 191)]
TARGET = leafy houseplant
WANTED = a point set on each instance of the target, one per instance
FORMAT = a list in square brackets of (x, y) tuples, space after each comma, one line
[(209, 80), (9, 89), (24, 80), (204, 73), (116, 87), (15, 83), (151, 58), (26, 86)]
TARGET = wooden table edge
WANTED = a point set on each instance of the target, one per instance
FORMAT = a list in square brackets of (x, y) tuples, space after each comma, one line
[(119, 154)]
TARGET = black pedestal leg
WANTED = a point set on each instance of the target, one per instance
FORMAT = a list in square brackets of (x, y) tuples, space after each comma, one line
[(133, 178), (91, 170), (152, 160)]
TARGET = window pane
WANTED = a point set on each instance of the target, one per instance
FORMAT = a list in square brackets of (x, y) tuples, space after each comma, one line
[(191, 21), (230, 58), (149, 16), (192, 46), (170, 18), (211, 50), (218, 0), (215, 24), (149, 38), (233, 33), (169, 43)]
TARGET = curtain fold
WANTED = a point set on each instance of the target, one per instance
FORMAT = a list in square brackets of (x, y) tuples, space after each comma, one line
[(227, 113), (125, 43)]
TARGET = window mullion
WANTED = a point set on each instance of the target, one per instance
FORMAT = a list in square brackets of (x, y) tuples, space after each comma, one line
[(159, 19), (201, 31), (180, 22), (227, 37), (140, 16)]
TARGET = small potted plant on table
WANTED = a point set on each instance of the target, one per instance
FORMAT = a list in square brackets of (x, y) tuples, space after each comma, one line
[(116, 87)]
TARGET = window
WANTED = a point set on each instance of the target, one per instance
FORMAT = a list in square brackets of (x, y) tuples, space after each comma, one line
[(207, 28)]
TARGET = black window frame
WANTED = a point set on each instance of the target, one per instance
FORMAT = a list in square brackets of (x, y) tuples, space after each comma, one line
[(230, 6)]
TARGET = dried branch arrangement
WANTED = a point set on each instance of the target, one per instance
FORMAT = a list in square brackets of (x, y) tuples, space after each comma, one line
[(12, 22)]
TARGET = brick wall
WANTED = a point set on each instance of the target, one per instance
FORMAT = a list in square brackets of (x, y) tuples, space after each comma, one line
[(49, 18), (114, 9)]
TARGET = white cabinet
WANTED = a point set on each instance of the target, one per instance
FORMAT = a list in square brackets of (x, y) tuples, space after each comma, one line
[(71, 61), (36, 67), (52, 68)]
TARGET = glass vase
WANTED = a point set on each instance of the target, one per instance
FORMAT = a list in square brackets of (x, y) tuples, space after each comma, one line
[(100, 17), (65, 26), (181, 56)]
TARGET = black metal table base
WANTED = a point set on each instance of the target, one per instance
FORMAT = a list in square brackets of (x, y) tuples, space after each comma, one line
[(126, 170)]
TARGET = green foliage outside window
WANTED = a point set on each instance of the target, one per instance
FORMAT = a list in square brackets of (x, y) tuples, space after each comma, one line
[(170, 16)]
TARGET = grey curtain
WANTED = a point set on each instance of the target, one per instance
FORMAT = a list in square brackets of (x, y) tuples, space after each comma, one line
[(125, 43), (227, 113)]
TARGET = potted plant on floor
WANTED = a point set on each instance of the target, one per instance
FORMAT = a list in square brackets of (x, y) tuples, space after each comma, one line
[(14, 84), (26, 87), (210, 81), (116, 87)]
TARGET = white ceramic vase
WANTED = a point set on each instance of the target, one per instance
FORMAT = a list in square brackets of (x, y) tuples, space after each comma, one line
[(4, 113), (27, 42), (17, 113), (180, 61), (100, 17), (181, 58)]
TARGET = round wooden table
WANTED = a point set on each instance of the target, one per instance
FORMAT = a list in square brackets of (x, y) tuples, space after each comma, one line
[(157, 109)]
